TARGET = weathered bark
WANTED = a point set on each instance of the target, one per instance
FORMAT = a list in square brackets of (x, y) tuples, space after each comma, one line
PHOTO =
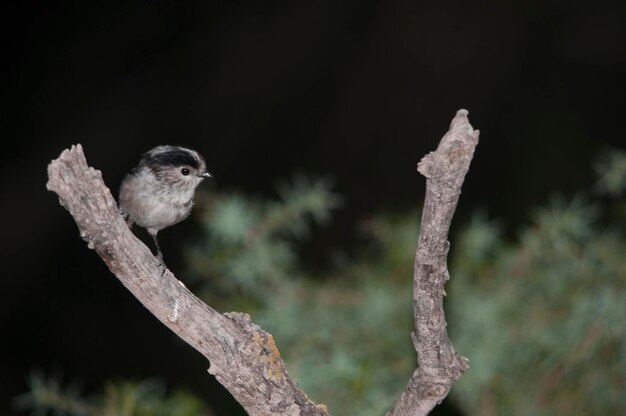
[(242, 356), (439, 365)]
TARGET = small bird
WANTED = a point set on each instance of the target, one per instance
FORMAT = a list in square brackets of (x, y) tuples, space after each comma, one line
[(159, 191)]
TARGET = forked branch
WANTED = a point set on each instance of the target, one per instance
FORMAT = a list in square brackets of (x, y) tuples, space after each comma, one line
[(242, 356)]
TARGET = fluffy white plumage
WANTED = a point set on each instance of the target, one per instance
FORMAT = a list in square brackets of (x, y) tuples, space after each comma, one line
[(159, 191)]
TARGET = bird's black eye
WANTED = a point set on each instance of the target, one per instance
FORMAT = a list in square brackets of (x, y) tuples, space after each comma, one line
[(184, 171)]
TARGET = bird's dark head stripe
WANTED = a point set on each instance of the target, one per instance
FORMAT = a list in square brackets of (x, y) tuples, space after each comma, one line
[(172, 157)]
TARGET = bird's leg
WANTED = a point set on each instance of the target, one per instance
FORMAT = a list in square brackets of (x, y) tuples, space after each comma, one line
[(159, 253)]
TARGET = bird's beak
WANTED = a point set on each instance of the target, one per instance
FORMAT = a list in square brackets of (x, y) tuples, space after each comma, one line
[(205, 175)]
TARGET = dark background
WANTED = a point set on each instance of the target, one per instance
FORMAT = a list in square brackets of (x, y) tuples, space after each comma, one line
[(359, 91)]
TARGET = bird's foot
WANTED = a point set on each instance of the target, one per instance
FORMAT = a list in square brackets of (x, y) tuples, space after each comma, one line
[(162, 267)]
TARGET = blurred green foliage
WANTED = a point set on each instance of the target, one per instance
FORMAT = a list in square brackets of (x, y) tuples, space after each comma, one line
[(249, 249), (541, 316), (48, 395), (345, 337), (611, 170), (543, 319)]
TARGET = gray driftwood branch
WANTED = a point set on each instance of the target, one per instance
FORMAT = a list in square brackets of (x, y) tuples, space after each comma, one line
[(242, 356), (439, 365)]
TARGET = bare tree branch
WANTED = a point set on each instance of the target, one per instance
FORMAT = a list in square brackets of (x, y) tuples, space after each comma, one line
[(242, 356), (439, 365)]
